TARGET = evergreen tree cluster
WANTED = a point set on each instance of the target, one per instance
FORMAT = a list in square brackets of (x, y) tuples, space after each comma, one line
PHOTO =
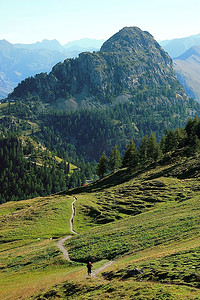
[(81, 136), (150, 150), (96, 130), (22, 178), (86, 133)]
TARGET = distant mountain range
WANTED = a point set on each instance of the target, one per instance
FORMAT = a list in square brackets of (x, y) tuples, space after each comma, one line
[(186, 56), (85, 45), (18, 61), (176, 47), (81, 45), (187, 67)]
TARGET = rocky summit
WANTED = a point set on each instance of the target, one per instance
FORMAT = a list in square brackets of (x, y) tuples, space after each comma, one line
[(128, 63)]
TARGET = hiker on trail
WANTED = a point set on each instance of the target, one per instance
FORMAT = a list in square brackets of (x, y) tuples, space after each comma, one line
[(89, 267)]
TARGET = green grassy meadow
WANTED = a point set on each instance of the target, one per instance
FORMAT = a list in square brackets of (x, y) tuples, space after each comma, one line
[(30, 259), (166, 223), (147, 220)]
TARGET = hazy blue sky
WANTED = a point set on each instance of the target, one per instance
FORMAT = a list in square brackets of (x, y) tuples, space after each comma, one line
[(28, 21)]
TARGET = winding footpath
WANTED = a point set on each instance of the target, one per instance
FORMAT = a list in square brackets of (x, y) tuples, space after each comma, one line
[(60, 244), (72, 217)]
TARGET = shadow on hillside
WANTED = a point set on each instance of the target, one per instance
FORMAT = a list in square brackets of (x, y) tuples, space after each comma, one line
[(181, 170), (164, 173), (110, 180), (173, 167), (119, 177)]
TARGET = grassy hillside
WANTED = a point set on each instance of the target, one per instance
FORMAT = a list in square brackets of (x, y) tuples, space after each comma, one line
[(147, 221), (125, 194), (166, 223), (30, 259)]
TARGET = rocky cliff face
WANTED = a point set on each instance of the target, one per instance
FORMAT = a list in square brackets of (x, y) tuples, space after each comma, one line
[(131, 60)]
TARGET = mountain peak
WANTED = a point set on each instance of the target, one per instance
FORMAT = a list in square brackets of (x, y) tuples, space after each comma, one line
[(193, 51), (50, 42), (85, 43), (5, 43), (130, 60), (45, 44), (128, 38)]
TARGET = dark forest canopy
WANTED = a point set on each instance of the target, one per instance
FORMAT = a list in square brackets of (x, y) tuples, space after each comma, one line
[(23, 177), (86, 133), (183, 141)]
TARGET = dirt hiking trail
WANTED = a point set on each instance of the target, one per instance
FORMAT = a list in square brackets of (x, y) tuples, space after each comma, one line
[(60, 244)]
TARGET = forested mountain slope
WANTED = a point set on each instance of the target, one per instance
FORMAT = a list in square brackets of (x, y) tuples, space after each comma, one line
[(29, 169), (124, 91)]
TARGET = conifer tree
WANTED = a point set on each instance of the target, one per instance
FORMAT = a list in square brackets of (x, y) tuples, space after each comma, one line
[(162, 144), (181, 137), (194, 145), (171, 142), (154, 151), (192, 129), (114, 159), (102, 165), (192, 126), (130, 158), (143, 150)]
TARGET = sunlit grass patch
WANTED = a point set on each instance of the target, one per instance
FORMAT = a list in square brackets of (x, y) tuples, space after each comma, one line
[(176, 262), (130, 289), (22, 285), (166, 223), (45, 217), (120, 195), (30, 259)]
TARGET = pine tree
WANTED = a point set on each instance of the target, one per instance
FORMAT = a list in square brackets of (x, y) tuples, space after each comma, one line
[(143, 150), (192, 130), (154, 151), (102, 165), (171, 142), (192, 126), (130, 158), (181, 137), (162, 144), (114, 159), (194, 145)]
